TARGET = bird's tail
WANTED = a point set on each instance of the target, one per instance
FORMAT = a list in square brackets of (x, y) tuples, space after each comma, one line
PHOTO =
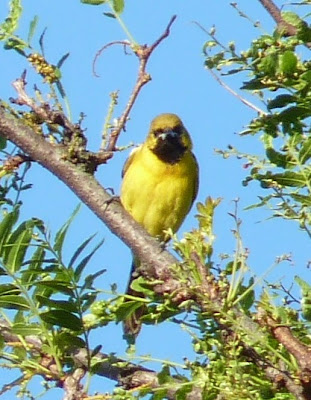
[(132, 324)]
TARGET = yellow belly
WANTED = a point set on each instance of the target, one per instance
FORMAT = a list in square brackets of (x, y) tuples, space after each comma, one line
[(159, 195)]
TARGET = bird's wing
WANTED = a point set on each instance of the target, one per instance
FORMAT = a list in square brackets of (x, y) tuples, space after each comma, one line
[(196, 183), (129, 160)]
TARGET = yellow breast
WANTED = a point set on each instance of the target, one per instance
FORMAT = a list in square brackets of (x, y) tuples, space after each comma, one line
[(159, 195)]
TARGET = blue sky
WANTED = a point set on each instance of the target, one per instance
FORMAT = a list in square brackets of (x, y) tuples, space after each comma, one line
[(181, 85)]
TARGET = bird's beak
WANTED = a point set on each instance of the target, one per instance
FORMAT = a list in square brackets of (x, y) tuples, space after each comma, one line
[(167, 133)]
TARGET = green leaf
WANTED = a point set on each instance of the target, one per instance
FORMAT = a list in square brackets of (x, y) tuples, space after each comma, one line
[(292, 114), (10, 24), (78, 271), (93, 2), (164, 375), (291, 18), (306, 297), (303, 199), (281, 101), (3, 143), (110, 15), (306, 76), (288, 63), (61, 234), (13, 302), (118, 6), (9, 288), (88, 282), (269, 64), (63, 319), (32, 28), (62, 60), (65, 340), (277, 158), (56, 286), (291, 179), (23, 329), (17, 245), (56, 304), (6, 226), (35, 266), (127, 308), (142, 286), (305, 151), (254, 84), (80, 250)]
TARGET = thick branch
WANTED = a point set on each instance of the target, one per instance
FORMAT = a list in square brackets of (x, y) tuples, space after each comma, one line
[(277, 16), (149, 250), (284, 335), (126, 374), (87, 188)]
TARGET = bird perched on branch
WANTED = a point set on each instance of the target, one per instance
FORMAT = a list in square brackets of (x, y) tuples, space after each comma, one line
[(160, 184)]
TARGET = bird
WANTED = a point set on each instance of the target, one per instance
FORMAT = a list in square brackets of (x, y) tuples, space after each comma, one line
[(160, 181)]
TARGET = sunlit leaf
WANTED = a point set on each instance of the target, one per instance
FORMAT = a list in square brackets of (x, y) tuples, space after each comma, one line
[(17, 245), (303, 199), (288, 62), (23, 329), (118, 6), (6, 226), (35, 266), (305, 151), (291, 179)]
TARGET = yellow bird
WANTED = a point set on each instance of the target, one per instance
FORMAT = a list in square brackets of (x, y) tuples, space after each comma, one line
[(160, 184)]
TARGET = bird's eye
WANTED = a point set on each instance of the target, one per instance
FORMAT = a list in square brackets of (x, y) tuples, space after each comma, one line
[(178, 130)]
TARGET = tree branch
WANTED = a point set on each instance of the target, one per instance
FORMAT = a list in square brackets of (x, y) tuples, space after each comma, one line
[(143, 53), (53, 157), (275, 13), (157, 262)]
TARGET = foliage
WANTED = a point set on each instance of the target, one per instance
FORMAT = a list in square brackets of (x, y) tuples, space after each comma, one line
[(275, 72), (41, 295)]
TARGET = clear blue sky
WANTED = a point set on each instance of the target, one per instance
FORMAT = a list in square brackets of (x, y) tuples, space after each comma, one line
[(180, 84)]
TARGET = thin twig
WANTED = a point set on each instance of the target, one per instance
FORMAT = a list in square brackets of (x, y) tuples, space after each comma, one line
[(235, 94), (14, 162), (100, 51), (143, 53), (42, 110)]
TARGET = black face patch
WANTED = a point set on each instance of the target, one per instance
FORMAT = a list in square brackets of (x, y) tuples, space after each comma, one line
[(169, 149), (177, 130)]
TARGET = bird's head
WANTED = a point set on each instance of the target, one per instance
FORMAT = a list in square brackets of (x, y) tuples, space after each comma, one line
[(168, 139)]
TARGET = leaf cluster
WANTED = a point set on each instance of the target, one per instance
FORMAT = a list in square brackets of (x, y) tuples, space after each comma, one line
[(275, 72), (43, 297)]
